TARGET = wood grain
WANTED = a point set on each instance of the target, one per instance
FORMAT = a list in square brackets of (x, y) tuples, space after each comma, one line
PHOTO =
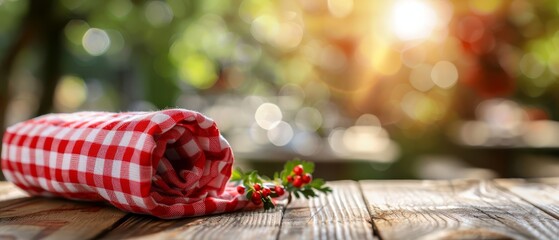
[(340, 215), (136, 226), (542, 193), (255, 224), (46, 218), (465, 209)]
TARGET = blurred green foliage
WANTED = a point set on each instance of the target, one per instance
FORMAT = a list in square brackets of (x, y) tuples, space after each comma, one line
[(325, 64)]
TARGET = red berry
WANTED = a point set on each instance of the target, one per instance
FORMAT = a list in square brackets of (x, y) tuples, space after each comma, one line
[(297, 182), (241, 189), (279, 190), (307, 178), (298, 170), (255, 195), (256, 199), (266, 192), (257, 187), (289, 178)]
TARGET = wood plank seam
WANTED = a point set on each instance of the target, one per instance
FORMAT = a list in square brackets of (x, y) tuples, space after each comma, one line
[(339, 215), (504, 189), (466, 208), (255, 224), (281, 219), (447, 209), (376, 233), (493, 184), (488, 185), (480, 185)]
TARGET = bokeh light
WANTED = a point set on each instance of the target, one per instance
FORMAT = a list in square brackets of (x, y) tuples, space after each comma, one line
[(158, 13), (412, 19), (198, 70), (268, 116), (420, 77), (96, 41), (281, 134), (340, 8), (70, 93), (395, 84), (308, 119), (444, 74)]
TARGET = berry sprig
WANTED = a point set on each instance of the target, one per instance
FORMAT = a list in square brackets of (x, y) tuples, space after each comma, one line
[(295, 178)]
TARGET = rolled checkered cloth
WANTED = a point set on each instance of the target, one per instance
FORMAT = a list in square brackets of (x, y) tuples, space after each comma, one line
[(170, 164)]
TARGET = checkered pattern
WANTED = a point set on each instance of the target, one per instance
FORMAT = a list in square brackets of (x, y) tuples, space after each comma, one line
[(172, 163)]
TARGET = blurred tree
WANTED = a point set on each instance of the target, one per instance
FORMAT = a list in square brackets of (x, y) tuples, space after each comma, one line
[(37, 22), (337, 60)]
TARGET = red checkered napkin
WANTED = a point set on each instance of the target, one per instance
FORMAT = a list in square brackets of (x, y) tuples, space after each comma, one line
[(170, 164)]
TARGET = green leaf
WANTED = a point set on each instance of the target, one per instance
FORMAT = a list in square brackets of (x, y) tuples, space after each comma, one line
[(317, 183), (248, 195), (308, 166), (268, 204), (237, 175), (309, 193), (287, 168), (324, 189), (253, 177), (248, 180)]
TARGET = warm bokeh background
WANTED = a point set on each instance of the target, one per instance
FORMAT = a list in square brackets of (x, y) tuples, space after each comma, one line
[(366, 89)]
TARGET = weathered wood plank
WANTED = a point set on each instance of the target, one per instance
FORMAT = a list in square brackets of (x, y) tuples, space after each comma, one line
[(542, 193), (256, 224), (340, 215), (136, 226), (453, 209), (9, 191), (46, 218)]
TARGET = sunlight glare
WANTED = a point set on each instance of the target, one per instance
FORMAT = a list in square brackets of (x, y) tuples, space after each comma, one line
[(412, 19)]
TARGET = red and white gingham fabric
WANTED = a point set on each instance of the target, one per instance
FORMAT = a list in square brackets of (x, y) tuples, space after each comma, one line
[(170, 164)]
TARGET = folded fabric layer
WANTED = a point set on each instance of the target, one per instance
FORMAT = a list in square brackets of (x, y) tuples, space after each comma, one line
[(170, 164)]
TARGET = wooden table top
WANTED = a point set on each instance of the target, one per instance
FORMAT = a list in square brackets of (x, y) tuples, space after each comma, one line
[(372, 209)]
